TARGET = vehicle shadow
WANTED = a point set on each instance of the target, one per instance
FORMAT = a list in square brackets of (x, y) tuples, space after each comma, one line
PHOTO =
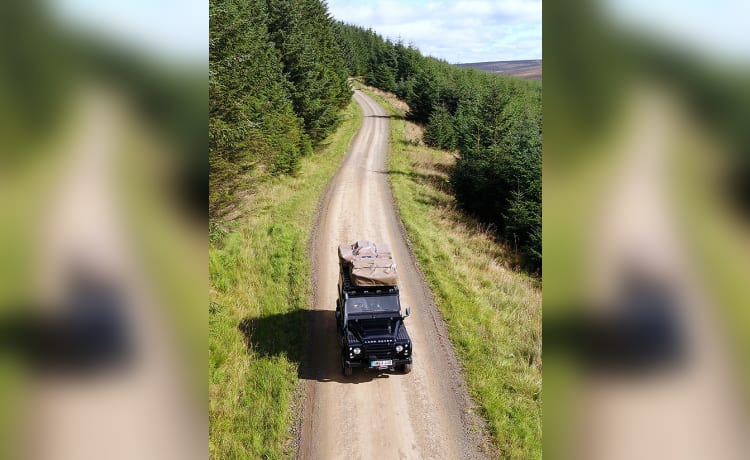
[(306, 337), (640, 333), (87, 334)]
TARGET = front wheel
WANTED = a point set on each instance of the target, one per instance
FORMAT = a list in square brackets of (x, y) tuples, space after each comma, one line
[(406, 368), (347, 371)]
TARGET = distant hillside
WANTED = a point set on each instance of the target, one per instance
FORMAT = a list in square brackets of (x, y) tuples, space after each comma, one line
[(529, 69)]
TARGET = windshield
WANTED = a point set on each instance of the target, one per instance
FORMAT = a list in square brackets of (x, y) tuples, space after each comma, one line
[(370, 327), (373, 304)]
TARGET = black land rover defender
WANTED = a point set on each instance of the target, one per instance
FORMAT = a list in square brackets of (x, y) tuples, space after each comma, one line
[(371, 328)]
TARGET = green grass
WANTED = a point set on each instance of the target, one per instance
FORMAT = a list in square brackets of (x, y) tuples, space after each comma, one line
[(493, 313), (260, 286), (168, 244), (25, 189), (707, 229), (716, 233)]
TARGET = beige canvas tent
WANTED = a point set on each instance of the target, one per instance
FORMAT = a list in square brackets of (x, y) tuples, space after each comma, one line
[(368, 263)]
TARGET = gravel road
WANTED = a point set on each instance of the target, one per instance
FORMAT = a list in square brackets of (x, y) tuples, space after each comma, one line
[(425, 414)]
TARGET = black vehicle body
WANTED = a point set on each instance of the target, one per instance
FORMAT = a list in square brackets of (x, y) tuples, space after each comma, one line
[(369, 319)]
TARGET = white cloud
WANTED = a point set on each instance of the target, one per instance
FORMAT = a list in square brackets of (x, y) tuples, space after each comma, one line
[(457, 31)]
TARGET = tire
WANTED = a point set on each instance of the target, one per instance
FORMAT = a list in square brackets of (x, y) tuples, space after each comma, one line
[(347, 371), (406, 368)]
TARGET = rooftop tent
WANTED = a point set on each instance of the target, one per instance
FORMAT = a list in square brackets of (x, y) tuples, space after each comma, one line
[(368, 263)]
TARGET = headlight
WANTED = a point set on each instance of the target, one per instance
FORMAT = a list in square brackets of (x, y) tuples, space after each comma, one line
[(399, 348), (357, 351)]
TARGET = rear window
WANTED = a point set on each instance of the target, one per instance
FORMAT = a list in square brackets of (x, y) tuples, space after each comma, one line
[(373, 304)]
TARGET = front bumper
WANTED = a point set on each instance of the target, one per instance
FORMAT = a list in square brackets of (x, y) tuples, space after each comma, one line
[(366, 364)]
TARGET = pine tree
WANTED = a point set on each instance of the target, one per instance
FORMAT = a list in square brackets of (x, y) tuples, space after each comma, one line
[(251, 120), (303, 33)]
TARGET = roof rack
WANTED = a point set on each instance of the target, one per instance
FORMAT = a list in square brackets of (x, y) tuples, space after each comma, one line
[(351, 288)]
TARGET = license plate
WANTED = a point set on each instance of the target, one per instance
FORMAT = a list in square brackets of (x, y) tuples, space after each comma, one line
[(384, 363)]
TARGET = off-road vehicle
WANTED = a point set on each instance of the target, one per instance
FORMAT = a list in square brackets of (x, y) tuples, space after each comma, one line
[(370, 325)]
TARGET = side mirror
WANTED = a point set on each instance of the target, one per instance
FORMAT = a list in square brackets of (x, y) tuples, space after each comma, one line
[(408, 312)]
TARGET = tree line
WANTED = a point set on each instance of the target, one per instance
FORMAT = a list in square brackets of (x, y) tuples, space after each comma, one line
[(495, 123), (277, 81)]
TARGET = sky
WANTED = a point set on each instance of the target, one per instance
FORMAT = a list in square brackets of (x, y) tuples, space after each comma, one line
[(454, 30), (713, 27), (175, 29), (458, 31)]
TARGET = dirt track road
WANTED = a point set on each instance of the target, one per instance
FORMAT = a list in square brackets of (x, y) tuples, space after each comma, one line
[(142, 410), (425, 414), (693, 411)]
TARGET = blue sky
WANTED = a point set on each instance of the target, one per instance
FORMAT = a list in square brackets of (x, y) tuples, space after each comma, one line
[(454, 30)]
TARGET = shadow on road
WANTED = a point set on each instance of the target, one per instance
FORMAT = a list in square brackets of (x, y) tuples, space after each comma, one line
[(307, 337), (436, 181), (393, 117), (88, 334), (640, 334)]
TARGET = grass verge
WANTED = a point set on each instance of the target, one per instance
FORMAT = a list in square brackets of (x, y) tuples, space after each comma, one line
[(25, 189), (717, 233), (493, 313), (259, 283)]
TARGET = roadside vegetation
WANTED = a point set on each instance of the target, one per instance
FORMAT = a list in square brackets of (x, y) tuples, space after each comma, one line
[(278, 78), (709, 183), (277, 88), (493, 121), (492, 312), (277, 82), (717, 233), (280, 120), (259, 271), (51, 70)]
